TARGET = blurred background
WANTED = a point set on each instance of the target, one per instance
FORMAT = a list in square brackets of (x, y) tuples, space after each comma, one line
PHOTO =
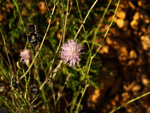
[(122, 64)]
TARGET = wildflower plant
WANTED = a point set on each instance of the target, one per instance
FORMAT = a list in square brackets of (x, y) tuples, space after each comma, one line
[(42, 84), (70, 52), (25, 55)]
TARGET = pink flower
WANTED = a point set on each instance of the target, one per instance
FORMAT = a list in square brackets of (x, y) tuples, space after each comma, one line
[(70, 52), (25, 55)]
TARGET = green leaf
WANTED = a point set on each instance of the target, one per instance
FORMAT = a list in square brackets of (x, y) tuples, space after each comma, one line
[(11, 20)]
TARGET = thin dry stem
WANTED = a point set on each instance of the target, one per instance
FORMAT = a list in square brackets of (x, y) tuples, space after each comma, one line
[(52, 74), (64, 28), (85, 18), (53, 93), (52, 62), (42, 65), (10, 66), (40, 45), (60, 91)]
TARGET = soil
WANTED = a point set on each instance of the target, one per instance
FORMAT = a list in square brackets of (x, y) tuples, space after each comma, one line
[(126, 52)]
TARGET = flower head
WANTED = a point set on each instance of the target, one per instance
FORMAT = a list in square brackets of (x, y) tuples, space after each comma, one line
[(25, 55), (70, 52)]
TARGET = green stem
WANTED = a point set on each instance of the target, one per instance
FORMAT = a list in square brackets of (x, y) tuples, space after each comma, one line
[(130, 101), (39, 82), (80, 14), (74, 101), (94, 38), (101, 20), (8, 104), (83, 92), (43, 94), (14, 1), (25, 95), (107, 29)]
